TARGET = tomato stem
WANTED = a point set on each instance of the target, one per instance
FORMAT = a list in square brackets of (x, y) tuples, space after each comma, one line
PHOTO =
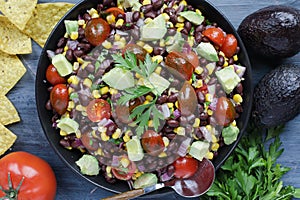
[(11, 193)]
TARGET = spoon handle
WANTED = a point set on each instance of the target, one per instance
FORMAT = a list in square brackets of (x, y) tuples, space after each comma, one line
[(126, 195)]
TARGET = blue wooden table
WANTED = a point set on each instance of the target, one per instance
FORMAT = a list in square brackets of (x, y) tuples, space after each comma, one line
[(70, 186)]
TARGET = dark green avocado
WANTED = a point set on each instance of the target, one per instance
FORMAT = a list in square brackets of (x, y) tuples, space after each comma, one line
[(277, 96), (273, 31)]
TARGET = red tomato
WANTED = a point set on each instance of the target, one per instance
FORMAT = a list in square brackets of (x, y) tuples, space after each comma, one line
[(187, 99), (53, 76), (152, 143), (89, 142), (185, 167), (180, 63), (137, 50), (225, 112), (229, 46), (123, 173), (216, 35), (115, 11), (98, 109), (192, 57), (39, 182), (96, 31), (59, 98), (123, 114)]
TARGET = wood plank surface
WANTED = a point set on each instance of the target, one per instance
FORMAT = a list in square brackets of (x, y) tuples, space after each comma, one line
[(72, 187)]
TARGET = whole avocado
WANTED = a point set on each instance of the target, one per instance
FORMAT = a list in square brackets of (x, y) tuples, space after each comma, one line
[(277, 96), (273, 31)]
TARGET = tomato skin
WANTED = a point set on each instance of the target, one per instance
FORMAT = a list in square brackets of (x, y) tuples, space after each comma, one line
[(180, 63), (53, 76), (187, 99), (39, 179), (59, 98), (216, 35), (138, 51), (115, 11), (98, 109), (229, 46), (185, 167), (152, 143), (225, 112), (96, 31), (192, 57)]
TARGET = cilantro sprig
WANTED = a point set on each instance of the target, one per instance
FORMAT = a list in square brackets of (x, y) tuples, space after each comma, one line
[(142, 113), (251, 172)]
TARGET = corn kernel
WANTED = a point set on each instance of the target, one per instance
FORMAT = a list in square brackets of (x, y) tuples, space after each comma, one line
[(209, 155), (92, 11), (71, 105), (198, 83), (214, 139), (81, 22), (104, 137), (162, 43), (63, 133), (162, 155), (117, 37), (104, 90), (225, 64), (66, 35), (180, 19), (158, 70), (149, 98), (137, 75), (75, 66), (198, 11), (80, 108), (113, 91), (84, 113), (237, 98), (166, 141), (190, 81), (199, 70), (99, 152), (210, 112), (166, 16), (148, 48), (196, 123), (235, 58), (176, 104), (191, 40), (210, 67), (180, 29), (150, 123), (125, 162), (95, 15), (87, 82), (148, 20), (108, 169), (66, 48), (157, 59), (140, 43), (208, 97), (175, 6), (81, 61), (111, 19), (209, 128), (169, 24), (126, 138), (183, 3), (146, 102), (138, 174), (119, 44), (170, 105), (179, 25), (120, 22), (96, 94), (179, 130), (215, 146), (70, 90), (74, 35), (73, 80), (117, 134), (233, 123), (106, 44), (146, 2), (109, 175)]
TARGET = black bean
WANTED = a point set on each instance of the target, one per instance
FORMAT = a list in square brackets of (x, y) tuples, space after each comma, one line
[(170, 170), (69, 55), (108, 3), (158, 50), (48, 105), (175, 82), (173, 98), (230, 61), (173, 19), (62, 42), (87, 17), (191, 8), (157, 4), (212, 121), (135, 16), (167, 129), (238, 50), (78, 53), (199, 133), (162, 99), (59, 51), (171, 135), (198, 37), (212, 81), (65, 143), (203, 63), (100, 7), (221, 61), (203, 123), (199, 28), (146, 8), (205, 39), (172, 31), (120, 16), (239, 108), (170, 11), (85, 46), (180, 9), (173, 123), (109, 179), (111, 128), (150, 14), (185, 32), (84, 99), (90, 68), (187, 25), (221, 93), (203, 116), (239, 88), (200, 97)]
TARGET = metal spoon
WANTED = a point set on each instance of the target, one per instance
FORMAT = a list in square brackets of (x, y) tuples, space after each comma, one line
[(193, 186)]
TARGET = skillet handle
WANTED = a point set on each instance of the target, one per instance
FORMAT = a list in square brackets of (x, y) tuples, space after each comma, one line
[(126, 195)]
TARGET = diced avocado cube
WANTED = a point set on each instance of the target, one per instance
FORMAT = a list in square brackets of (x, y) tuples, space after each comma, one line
[(178, 43), (154, 30), (71, 26), (157, 83), (145, 180), (62, 65), (207, 51), (118, 78), (134, 149), (88, 165), (199, 149), (193, 17), (228, 78), (68, 125), (230, 134)]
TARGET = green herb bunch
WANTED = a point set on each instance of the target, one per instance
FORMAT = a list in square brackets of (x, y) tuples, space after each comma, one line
[(252, 172)]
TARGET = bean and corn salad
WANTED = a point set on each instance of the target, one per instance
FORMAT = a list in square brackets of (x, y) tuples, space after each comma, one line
[(145, 88)]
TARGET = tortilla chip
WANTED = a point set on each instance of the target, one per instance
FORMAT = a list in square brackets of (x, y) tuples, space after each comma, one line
[(44, 19), (12, 40), (18, 11), (7, 139), (11, 71), (8, 113)]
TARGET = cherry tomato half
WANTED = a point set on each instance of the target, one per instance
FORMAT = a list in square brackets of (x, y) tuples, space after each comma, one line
[(98, 109), (96, 31), (216, 35), (229, 46), (39, 179), (59, 98), (180, 63), (152, 143), (115, 11), (192, 57), (225, 112), (187, 99), (123, 173), (185, 167), (53, 76), (137, 50)]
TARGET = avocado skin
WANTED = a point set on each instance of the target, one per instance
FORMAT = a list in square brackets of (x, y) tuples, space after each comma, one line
[(277, 96), (273, 31)]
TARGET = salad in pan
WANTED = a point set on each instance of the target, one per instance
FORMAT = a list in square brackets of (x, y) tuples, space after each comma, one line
[(145, 89)]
